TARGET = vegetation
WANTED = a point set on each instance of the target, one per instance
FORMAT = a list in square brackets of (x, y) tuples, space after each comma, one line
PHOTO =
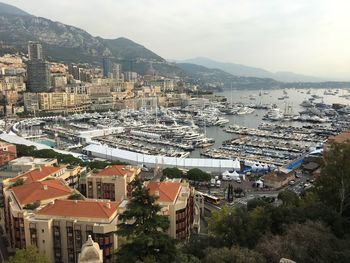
[(196, 174), (172, 173), (32, 206), (144, 229), (23, 150), (18, 182), (309, 228), (232, 255), (76, 196), (334, 182), (30, 254)]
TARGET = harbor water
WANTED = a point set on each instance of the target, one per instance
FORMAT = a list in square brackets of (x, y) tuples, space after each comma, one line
[(266, 96)]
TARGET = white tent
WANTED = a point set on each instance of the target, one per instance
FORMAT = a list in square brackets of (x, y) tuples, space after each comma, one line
[(259, 183), (230, 175)]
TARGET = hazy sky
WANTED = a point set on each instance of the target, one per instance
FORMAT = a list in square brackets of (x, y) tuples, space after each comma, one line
[(304, 36)]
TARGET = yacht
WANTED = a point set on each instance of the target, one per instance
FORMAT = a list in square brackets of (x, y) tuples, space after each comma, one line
[(306, 104), (274, 115)]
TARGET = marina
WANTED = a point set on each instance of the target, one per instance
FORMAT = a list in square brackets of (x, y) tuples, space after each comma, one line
[(264, 131)]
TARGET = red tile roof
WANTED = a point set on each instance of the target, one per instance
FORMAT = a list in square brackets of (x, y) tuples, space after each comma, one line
[(80, 209), (37, 174), (167, 191), (114, 170), (40, 191)]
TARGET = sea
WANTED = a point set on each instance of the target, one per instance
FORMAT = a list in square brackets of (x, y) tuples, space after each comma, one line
[(266, 96)]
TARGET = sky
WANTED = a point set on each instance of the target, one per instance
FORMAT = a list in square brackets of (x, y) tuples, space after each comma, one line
[(310, 37)]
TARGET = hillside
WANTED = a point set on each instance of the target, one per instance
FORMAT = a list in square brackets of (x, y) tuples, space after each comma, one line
[(67, 44), (225, 79), (64, 42), (242, 70)]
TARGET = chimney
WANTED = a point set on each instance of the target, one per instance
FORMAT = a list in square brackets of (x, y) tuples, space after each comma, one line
[(45, 187), (40, 169), (156, 193), (76, 201), (108, 205)]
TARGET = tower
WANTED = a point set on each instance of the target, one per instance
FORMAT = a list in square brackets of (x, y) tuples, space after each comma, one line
[(35, 51), (38, 70), (107, 67)]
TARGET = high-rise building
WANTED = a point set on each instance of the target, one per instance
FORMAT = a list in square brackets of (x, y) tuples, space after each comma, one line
[(38, 70), (35, 51), (38, 76), (107, 67)]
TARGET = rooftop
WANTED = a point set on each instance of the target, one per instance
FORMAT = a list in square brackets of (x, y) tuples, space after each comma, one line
[(37, 174), (40, 191), (166, 191), (80, 208), (114, 170)]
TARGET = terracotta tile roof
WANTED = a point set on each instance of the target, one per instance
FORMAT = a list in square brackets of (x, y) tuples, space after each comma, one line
[(40, 191), (114, 170), (37, 174), (80, 209), (167, 191)]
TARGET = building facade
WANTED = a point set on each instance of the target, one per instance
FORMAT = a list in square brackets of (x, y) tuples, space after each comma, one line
[(8, 152), (38, 76), (178, 203), (112, 182)]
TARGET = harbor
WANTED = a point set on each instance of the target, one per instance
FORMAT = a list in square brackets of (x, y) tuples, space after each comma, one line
[(263, 130)]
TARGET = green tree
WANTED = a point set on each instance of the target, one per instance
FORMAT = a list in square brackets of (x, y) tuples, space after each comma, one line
[(196, 174), (172, 172), (233, 255), (289, 198), (144, 228), (30, 254), (309, 242), (333, 186), (237, 226)]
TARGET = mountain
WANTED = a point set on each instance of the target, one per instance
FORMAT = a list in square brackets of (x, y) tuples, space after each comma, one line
[(63, 42), (223, 79), (11, 10), (242, 70), (67, 43)]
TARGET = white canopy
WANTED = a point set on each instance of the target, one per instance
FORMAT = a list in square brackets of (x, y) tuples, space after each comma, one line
[(109, 153)]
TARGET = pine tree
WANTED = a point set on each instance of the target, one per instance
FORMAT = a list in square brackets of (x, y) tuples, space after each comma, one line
[(144, 228)]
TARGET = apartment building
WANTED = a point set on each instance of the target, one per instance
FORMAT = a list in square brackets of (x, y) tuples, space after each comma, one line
[(177, 201), (56, 101), (8, 152), (60, 228), (38, 212), (112, 182), (20, 200)]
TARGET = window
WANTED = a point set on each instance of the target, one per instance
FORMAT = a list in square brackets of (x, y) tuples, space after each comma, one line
[(42, 230), (43, 241)]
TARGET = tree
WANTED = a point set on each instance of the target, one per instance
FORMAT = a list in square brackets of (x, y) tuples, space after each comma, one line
[(144, 227), (18, 182), (333, 186), (233, 255), (238, 227), (289, 198), (172, 172), (196, 174), (30, 254), (308, 242), (75, 196)]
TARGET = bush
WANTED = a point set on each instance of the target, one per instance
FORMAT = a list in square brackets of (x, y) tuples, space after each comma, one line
[(196, 174)]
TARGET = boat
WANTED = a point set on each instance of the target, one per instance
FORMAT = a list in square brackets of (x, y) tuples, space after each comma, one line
[(306, 104)]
